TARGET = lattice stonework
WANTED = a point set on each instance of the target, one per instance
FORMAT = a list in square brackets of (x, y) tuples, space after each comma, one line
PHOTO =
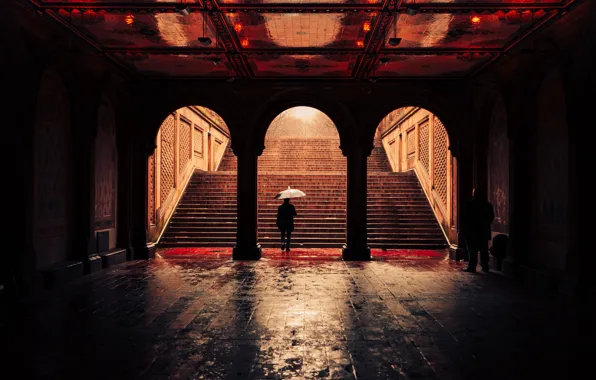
[(440, 160), (198, 142), (151, 189), (423, 144), (185, 142), (168, 165), (411, 142)]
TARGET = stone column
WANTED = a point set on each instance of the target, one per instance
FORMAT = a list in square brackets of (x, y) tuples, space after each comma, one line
[(84, 121), (356, 247), (246, 247)]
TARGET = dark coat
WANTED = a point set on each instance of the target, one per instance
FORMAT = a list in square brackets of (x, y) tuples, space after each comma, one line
[(476, 220), (285, 217)]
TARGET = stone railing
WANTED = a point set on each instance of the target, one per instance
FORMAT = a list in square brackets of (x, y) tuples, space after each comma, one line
[(187, 140), (417, 140)]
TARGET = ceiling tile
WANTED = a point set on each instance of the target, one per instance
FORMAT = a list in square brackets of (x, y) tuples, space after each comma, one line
[(445, 30), (428, 65), (299, 30), (302, 65), (179, 65), (142, 30)]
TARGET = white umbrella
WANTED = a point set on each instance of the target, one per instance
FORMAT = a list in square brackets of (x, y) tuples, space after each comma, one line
[(290, 193)]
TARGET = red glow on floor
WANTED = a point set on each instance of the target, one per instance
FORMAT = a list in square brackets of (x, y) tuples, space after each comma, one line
[(301, 253)]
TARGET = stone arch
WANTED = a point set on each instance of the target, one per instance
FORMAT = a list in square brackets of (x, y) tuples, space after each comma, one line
[(498, 165), (51, 172), (337, 112), (288, 123), (106, 165), (550, 172)]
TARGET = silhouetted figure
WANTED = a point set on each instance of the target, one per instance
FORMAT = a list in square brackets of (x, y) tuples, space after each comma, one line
[(285, 222), (478, 214)]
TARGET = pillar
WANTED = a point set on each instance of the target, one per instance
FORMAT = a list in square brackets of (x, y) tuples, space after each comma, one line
[(84, 113), (246, 247), (356, 247)]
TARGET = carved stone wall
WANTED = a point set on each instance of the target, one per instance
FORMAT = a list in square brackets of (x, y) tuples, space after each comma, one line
[(52, 172), (185, 139), (168, 159), (302, 122), (151, 189), (550, 185), (105, 168), (440, 160), (498, 167)]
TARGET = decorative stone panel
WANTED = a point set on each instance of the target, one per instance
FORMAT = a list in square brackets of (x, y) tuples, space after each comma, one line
[(198, 142), (185, 141), (105, 168), (168, 163), (440, 160), (151, 189), (423, 147)]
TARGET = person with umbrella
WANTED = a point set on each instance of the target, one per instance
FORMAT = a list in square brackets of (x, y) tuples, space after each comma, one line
[(285, 215)]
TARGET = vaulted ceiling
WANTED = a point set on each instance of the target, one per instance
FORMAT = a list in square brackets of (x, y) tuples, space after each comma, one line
[(298, 39)]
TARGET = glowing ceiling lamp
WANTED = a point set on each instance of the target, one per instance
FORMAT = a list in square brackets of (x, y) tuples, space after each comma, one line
[(475, 20), (238, 27), (366, 27), (360, 43), (244, 42), (129, 19)]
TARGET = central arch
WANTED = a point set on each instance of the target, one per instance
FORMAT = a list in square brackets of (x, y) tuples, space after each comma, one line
[(302, 150)]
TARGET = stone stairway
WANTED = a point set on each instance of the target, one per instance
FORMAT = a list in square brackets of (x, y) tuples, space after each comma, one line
[(398, 212)]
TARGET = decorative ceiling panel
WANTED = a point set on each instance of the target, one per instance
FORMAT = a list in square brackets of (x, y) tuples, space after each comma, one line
[(516, 2), (444, 30), (142, 30), (179, 65), (123, 2), (298, 2), (304, 65), (300, 30), (429, 65)]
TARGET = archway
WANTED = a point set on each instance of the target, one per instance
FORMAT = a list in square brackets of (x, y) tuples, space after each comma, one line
[(302, 151), (192, 181), (411, 183)]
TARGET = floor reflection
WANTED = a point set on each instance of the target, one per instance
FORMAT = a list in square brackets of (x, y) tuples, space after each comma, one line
[(208, 317)]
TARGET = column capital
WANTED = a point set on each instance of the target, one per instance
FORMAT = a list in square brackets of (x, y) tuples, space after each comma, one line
[(244, 146), (357, 148)]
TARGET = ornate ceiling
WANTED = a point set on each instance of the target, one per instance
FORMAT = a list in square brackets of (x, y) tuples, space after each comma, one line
[(303, 39)]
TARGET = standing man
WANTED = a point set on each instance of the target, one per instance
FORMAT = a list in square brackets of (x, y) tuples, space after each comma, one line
[(478, 214), (285, 222)]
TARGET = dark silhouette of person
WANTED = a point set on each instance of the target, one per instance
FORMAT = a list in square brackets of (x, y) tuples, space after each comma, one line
[(285, 222), (478, 214)]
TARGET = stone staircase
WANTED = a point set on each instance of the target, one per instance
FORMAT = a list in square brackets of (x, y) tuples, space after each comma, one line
[(399, 215)]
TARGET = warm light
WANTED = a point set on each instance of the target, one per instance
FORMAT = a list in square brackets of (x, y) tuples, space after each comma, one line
[(475, 20), (237, 27), (129, 19), (304, 113), (244, 42), (366, 27), (360, 43)]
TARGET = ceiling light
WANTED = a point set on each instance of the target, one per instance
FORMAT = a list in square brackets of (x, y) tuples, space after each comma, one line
[(184, 11), (412, 11), (394, 41), (360, 43), (366, 27), (244, 42), (237, 27), (205, 41), (475, 20), (129, 19)]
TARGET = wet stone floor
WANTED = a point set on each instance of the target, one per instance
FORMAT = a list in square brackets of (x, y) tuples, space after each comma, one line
[(280, 318)]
